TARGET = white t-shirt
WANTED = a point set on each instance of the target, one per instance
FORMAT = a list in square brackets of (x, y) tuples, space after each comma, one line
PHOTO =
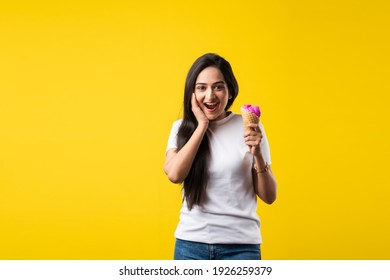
[(228, 215)]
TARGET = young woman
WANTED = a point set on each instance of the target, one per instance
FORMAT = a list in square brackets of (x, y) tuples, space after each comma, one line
[(221, 167)]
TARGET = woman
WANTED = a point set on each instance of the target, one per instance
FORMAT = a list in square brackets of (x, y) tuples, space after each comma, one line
[(222, 168)]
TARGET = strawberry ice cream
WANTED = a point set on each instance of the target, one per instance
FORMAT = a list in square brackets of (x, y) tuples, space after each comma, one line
[(250, 114)]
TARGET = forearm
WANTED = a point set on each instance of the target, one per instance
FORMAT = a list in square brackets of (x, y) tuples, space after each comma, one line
[(178, 165), (264, 181)]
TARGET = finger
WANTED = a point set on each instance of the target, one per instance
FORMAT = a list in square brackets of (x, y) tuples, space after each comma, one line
[(194, 103), (252, 143), (253, 134), (250, 132), (251, 139), (257, 135), (252, 125)]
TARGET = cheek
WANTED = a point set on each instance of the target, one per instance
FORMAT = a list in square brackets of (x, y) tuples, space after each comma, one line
[(199, 97), (225, 98)]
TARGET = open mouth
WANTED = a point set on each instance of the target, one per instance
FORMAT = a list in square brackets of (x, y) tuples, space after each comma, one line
[(211, 106)]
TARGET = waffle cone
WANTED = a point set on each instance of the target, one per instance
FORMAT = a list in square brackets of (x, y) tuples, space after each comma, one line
[(249, 117)]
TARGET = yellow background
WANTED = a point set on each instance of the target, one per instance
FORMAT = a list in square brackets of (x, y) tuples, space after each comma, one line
[(89, 90)]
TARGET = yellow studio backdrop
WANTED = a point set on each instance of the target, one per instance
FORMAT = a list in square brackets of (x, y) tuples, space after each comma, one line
[(89, 91)]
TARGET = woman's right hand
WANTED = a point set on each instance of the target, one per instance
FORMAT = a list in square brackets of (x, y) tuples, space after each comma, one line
[(199, 114), (178, 162)]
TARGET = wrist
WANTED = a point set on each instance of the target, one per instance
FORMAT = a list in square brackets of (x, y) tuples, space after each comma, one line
[(203, 125), (258, 157), (259, 169)]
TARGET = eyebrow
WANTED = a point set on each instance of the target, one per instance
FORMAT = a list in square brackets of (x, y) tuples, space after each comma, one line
[(219, 82)]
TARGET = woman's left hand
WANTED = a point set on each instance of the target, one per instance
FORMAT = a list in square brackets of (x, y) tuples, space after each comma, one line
[(252, 138)]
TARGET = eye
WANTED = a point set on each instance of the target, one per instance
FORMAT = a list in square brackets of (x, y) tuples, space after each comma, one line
[(219, 87), (200, 88)]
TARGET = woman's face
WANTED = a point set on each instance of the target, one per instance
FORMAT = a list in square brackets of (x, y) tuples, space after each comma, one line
[(212, 93)]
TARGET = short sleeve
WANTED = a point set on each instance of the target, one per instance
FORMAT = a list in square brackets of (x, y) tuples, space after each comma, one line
[(264, 146), (172, 140)]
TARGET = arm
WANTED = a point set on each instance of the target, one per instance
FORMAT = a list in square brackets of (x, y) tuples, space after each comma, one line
[(178, 163), (264, 182)]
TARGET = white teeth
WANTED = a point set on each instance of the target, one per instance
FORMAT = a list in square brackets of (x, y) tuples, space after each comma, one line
[(211, 106)]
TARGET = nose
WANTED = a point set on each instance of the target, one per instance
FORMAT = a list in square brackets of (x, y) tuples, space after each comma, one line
[(210, 94)]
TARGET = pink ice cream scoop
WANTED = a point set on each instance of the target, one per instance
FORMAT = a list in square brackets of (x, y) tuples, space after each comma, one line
[(250, 114), (252, 108)]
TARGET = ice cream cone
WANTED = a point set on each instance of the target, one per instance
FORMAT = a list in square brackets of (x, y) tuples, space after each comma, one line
[(250, 116)]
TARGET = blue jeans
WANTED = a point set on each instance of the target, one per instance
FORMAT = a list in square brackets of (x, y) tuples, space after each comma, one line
[(188, 250)]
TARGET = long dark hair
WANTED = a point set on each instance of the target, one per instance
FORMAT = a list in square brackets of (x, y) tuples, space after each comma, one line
[(194, 184)]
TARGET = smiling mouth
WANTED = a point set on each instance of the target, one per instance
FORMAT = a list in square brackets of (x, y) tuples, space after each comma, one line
[(211, 106)]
